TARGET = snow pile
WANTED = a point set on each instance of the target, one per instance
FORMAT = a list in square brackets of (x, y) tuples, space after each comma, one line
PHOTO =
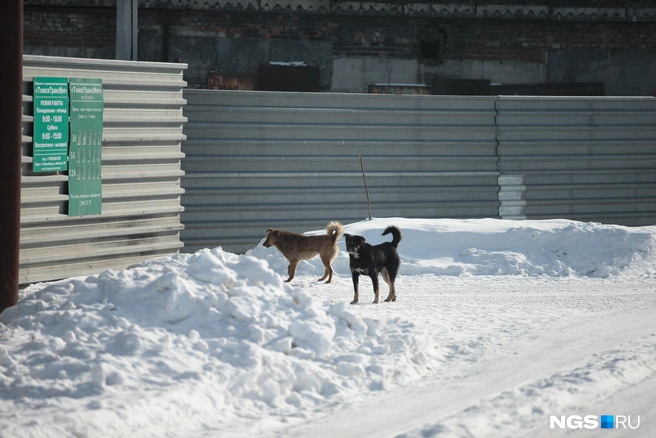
[(105, 355), (556, 248)]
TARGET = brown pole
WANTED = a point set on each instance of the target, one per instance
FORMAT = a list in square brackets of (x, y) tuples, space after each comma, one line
[(11, 110)]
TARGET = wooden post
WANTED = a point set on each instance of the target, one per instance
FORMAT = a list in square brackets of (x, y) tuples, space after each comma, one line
[(11, 119)]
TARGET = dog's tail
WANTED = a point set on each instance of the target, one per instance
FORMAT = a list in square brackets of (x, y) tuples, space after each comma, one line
[(396, 234), (335, 230)]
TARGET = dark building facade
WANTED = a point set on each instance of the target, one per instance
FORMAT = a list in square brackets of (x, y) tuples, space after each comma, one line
[(466, 47)]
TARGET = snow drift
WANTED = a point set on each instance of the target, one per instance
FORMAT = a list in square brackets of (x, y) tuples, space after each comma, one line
[(227, 326), (557, 248)]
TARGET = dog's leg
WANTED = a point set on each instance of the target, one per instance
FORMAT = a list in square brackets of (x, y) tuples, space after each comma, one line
[(392, 292), (330, 274), (355, 287), (374, 280), (292, 270), (328, 270)]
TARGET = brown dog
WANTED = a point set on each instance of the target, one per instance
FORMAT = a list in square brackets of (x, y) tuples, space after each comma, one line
[(297, 247)]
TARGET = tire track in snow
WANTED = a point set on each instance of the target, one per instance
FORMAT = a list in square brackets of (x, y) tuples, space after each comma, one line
[(634, 400), (405, 411)]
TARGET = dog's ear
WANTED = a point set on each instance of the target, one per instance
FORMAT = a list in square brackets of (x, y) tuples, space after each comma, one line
[(347, 235), (361, 239)]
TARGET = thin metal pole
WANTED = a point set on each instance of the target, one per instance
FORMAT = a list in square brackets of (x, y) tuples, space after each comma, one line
[(11, 110), (127, 29), (365, 186)]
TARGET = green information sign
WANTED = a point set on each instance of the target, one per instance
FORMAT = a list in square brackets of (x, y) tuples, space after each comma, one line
[(85, 156), (50, 136)]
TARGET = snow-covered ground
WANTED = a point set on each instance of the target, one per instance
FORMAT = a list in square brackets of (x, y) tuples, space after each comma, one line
[(498, 326)]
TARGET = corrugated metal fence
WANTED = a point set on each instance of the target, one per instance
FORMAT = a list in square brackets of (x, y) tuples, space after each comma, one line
[(588, 159), (290, 160), (141, 173)]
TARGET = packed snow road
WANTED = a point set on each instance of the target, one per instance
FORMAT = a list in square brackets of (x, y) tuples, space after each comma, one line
[(515, 350)]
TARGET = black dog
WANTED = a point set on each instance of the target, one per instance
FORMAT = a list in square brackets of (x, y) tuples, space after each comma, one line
[(365, 259)]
